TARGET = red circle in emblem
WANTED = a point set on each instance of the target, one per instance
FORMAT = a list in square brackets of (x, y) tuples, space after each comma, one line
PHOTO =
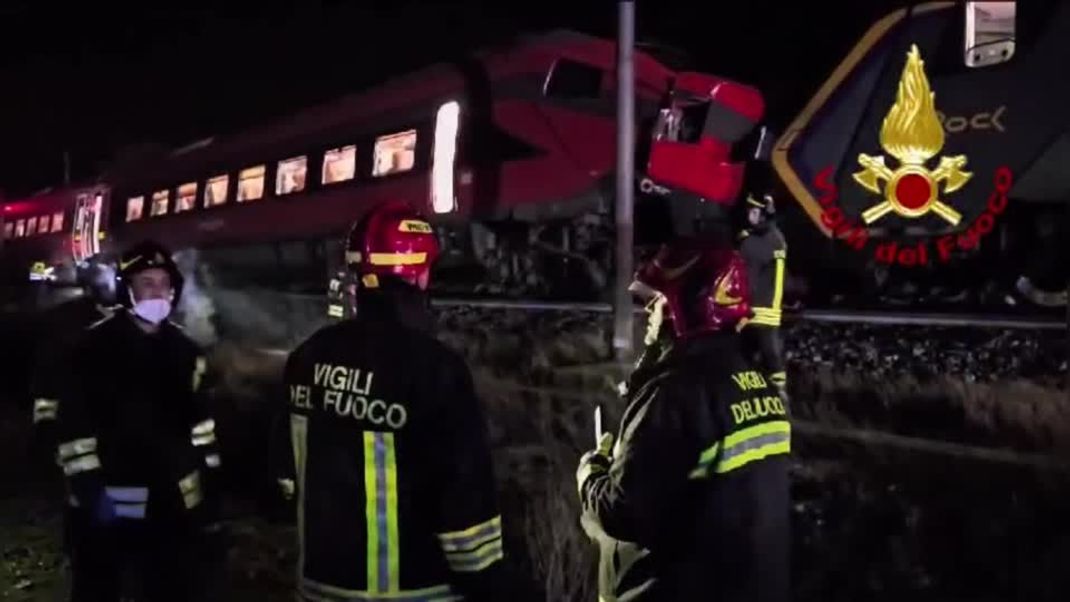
[(913, 191)]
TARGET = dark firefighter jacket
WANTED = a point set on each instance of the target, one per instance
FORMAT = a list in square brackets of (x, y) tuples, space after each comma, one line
[(694, 504), (61, 327), (765, 253), (395, 490), (135, 431)]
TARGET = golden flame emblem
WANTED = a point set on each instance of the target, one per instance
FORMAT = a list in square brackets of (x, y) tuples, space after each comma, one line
[(912, 133)]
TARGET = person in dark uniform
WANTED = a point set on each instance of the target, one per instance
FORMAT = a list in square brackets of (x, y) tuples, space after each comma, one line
[(692, 502), (765, 252), (394, 486), (138, 443)]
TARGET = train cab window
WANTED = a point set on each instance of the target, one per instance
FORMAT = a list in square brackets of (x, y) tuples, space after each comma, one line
[(135, 208), (394, 153), (9, 230), (160, 200), (339, 164), (31, 226), (573, 80), (57, 221), (215, 191), (43, 223), (251, 184), (186, 199), (291, 175), (20, 228)]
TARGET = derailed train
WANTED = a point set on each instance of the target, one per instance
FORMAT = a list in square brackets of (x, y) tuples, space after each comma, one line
[(512, 153)]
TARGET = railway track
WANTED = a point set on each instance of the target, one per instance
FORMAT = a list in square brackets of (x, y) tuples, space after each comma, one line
[(843, 316)]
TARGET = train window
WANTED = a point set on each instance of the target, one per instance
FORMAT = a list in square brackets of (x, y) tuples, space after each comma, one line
[(291, 175), (395, 153), (57, 221), (251, 184), (443, 199), (31, 226), (43, 223), (215, 192), (989, 33), (9, 230), (135, 208), (339, 164), (160, 200), (186, 199), (570, 79), (20, 228)]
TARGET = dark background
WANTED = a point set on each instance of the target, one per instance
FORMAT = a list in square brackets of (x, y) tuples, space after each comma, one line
[(91, 79)]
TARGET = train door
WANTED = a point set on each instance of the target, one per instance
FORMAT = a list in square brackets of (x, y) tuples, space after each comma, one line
[(86, 233)]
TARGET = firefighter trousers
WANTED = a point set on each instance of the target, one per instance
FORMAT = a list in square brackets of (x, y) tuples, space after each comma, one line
[(144, 560), (764, 344)]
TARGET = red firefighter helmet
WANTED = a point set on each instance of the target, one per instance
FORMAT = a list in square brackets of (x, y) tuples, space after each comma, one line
[(391, 240), (704, 285)]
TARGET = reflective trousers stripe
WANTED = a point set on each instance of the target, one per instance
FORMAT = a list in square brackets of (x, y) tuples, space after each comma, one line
[(77, 447), (778, 282), (320, 592), (381, 512), (128, 494)]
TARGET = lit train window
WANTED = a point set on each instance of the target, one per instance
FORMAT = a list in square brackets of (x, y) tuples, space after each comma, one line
[(251, 184), (31, 226), (395, 153), (215, 191), (339, 164), (291, 175), (187, 197), (160, 200), (20, 228), (443, 199), (9, 230), (43, 223), (135, 208), (57, 221)]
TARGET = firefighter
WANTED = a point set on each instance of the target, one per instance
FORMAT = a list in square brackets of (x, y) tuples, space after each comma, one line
[(138, 443), (394, 487), (61, 327), (692, 501), (765, 252)]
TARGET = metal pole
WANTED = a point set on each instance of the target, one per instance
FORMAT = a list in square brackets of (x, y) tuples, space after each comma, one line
[(623, 314)]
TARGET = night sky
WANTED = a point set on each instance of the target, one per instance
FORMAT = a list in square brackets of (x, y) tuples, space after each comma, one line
[(92, 80)]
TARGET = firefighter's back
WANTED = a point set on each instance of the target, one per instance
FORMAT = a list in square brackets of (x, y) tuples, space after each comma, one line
[(369, 401), (737, 544)]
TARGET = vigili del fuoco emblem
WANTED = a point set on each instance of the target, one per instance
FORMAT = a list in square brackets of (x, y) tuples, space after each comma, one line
[(912, 133)]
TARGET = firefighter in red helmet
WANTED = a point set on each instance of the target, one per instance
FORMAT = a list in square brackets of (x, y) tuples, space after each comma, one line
[(393, 478), (138, 444), (692, 501)]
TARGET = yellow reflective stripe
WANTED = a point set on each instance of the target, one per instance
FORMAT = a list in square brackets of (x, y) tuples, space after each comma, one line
[(466, 538), (77, 447), (371, 513), (704, 460), (397, 258), (204, 427), (778, 283), (381, 512), (779, 378), (82, 464), (199, 368), (477, 559), (190, 486), (203, 440), (416, 226), (299, 443), (753, 444), (335, 311), (44, 409), (321, 591), (766, 316)]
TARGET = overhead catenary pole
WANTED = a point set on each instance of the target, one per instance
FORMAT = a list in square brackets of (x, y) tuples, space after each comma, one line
[(623, 332)]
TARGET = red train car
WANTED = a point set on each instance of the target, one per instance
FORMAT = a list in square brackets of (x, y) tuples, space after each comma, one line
[(511, 151)]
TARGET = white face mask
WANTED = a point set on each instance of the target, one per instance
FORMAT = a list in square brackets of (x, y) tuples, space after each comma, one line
[(152, 311)]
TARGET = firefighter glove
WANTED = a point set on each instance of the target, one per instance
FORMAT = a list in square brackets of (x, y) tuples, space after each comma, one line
[(595, 461)]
